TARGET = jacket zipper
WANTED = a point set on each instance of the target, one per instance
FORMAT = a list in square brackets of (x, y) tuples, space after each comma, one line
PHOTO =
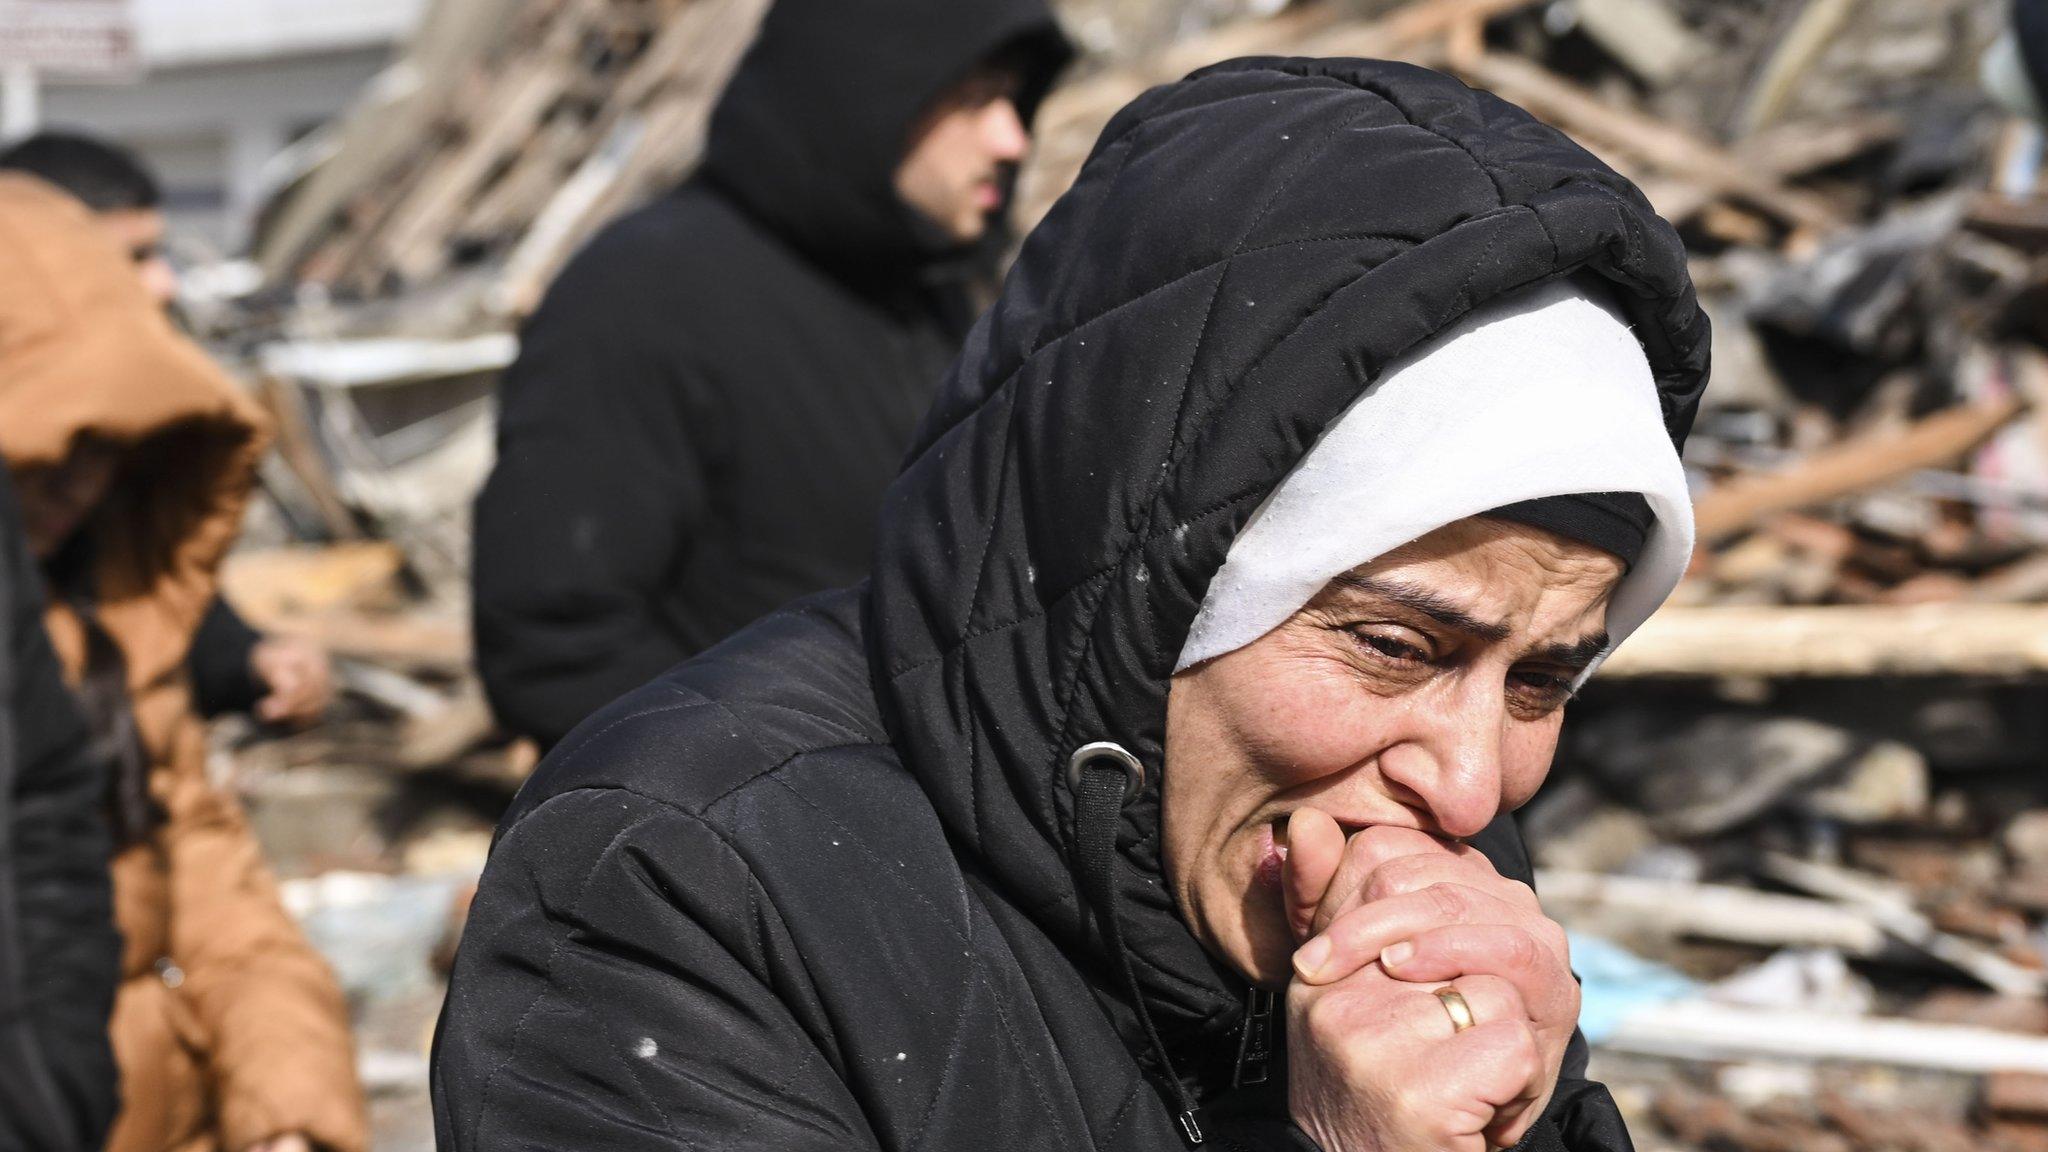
[(1255, 1041)]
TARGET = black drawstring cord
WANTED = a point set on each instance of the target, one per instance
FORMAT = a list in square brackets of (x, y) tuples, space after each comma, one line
[(1104, 777)]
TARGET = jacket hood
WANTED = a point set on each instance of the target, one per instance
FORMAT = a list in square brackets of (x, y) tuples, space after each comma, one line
[(809, 132), (1241, 255), (83, 351)]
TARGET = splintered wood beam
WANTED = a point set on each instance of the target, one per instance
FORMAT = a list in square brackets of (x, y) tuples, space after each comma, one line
[(1854, 465), (1786, 152), (406, 642), (1074, 113), (1705, 1030), (1892, 907), (1954, 639), (1709, 911), (1406, 28), (1812, 31), (1663, 146)]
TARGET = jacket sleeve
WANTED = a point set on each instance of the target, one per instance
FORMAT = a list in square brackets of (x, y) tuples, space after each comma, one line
[(587, 514), (1582, 1116), (222, 679), (277, 1026), (606, 998), (61, 846)]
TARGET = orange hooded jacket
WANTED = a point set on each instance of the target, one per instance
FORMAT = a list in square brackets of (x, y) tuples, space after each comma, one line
[(228, 1028)]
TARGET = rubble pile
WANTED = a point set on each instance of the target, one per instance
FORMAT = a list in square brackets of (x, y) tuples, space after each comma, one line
[(1799, 827), (504, 159)]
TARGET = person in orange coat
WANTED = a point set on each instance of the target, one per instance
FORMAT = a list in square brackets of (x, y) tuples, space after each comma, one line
[(134, 456)]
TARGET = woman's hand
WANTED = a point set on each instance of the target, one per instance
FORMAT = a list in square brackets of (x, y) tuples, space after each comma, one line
[(1376, 1065), (1389, 909), (289, 1142)]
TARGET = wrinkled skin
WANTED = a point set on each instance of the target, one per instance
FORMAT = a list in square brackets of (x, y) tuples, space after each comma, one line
[(1319, 784), (956, 170)]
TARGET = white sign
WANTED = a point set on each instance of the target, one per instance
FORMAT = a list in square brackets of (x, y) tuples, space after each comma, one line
[(84, 39)]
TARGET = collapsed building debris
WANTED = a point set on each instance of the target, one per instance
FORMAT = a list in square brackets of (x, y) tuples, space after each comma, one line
[(1818, 768)]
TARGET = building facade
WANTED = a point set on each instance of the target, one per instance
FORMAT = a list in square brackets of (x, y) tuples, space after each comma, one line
[(226, 87)]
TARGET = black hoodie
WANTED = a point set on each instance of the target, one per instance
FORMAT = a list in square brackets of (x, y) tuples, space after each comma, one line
[(709, 402), (821, 887)]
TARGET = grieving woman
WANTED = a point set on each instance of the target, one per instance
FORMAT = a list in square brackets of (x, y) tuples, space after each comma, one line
[(1154, 791)]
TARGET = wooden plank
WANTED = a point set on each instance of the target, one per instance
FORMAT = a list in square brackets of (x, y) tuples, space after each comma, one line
[(1710, 911), (1791, 150), (498, 112), (642, 148), (1812, 31), (1855, 465), (2023, 224), (1704, 1030), (272, 585), (559, 225), (1955, 639), (1786, 152), (299, 449), (394, 113), (697, 47), (1662, 145), (1074, 114), (512, 201), (407, 642), (1406, 28), (1892, 909), (1644, 35), (414, 244)]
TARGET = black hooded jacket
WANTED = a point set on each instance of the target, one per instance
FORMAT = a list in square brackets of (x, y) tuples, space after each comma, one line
[(709, 402), (819, 887), (59, 953)]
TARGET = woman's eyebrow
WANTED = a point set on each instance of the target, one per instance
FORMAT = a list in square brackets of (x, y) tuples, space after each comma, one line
[(1430, 604), (1577, 654)]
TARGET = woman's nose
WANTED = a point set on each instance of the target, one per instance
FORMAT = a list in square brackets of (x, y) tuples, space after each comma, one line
[(1452, 761)]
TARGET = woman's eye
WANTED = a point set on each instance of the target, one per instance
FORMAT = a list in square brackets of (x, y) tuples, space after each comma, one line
[(1391, 647), (1543, 691)]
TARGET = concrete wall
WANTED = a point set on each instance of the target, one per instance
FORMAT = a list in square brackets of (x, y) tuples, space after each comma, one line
[(209, 129), (227, 84)]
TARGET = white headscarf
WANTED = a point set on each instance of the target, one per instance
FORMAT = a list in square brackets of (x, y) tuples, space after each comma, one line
[(1542, 393)]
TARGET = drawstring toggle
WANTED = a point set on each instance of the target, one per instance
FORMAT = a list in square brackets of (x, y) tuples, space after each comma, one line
[(1104, 777)]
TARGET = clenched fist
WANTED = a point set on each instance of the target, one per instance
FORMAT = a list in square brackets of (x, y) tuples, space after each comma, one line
[(1387, 916)]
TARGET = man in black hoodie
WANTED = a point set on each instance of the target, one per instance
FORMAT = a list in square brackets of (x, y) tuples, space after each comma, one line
[(710, 400), (1015, 844)]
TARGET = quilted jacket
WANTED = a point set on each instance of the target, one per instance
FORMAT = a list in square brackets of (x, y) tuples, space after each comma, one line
[(818, 888)]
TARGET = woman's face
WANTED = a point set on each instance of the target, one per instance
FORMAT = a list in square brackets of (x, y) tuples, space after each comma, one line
[(57, 499), (1423, 690)]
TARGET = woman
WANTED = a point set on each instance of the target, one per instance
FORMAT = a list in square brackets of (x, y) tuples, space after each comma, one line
[(1323, 438), (133, 457)]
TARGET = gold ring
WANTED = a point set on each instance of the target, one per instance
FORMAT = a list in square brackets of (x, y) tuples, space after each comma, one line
[(1455, 1004)]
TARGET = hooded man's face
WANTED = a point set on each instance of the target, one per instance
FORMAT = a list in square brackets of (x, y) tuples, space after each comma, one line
[(956, 170), (57, 499), (1423, 690), (140, 233)]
